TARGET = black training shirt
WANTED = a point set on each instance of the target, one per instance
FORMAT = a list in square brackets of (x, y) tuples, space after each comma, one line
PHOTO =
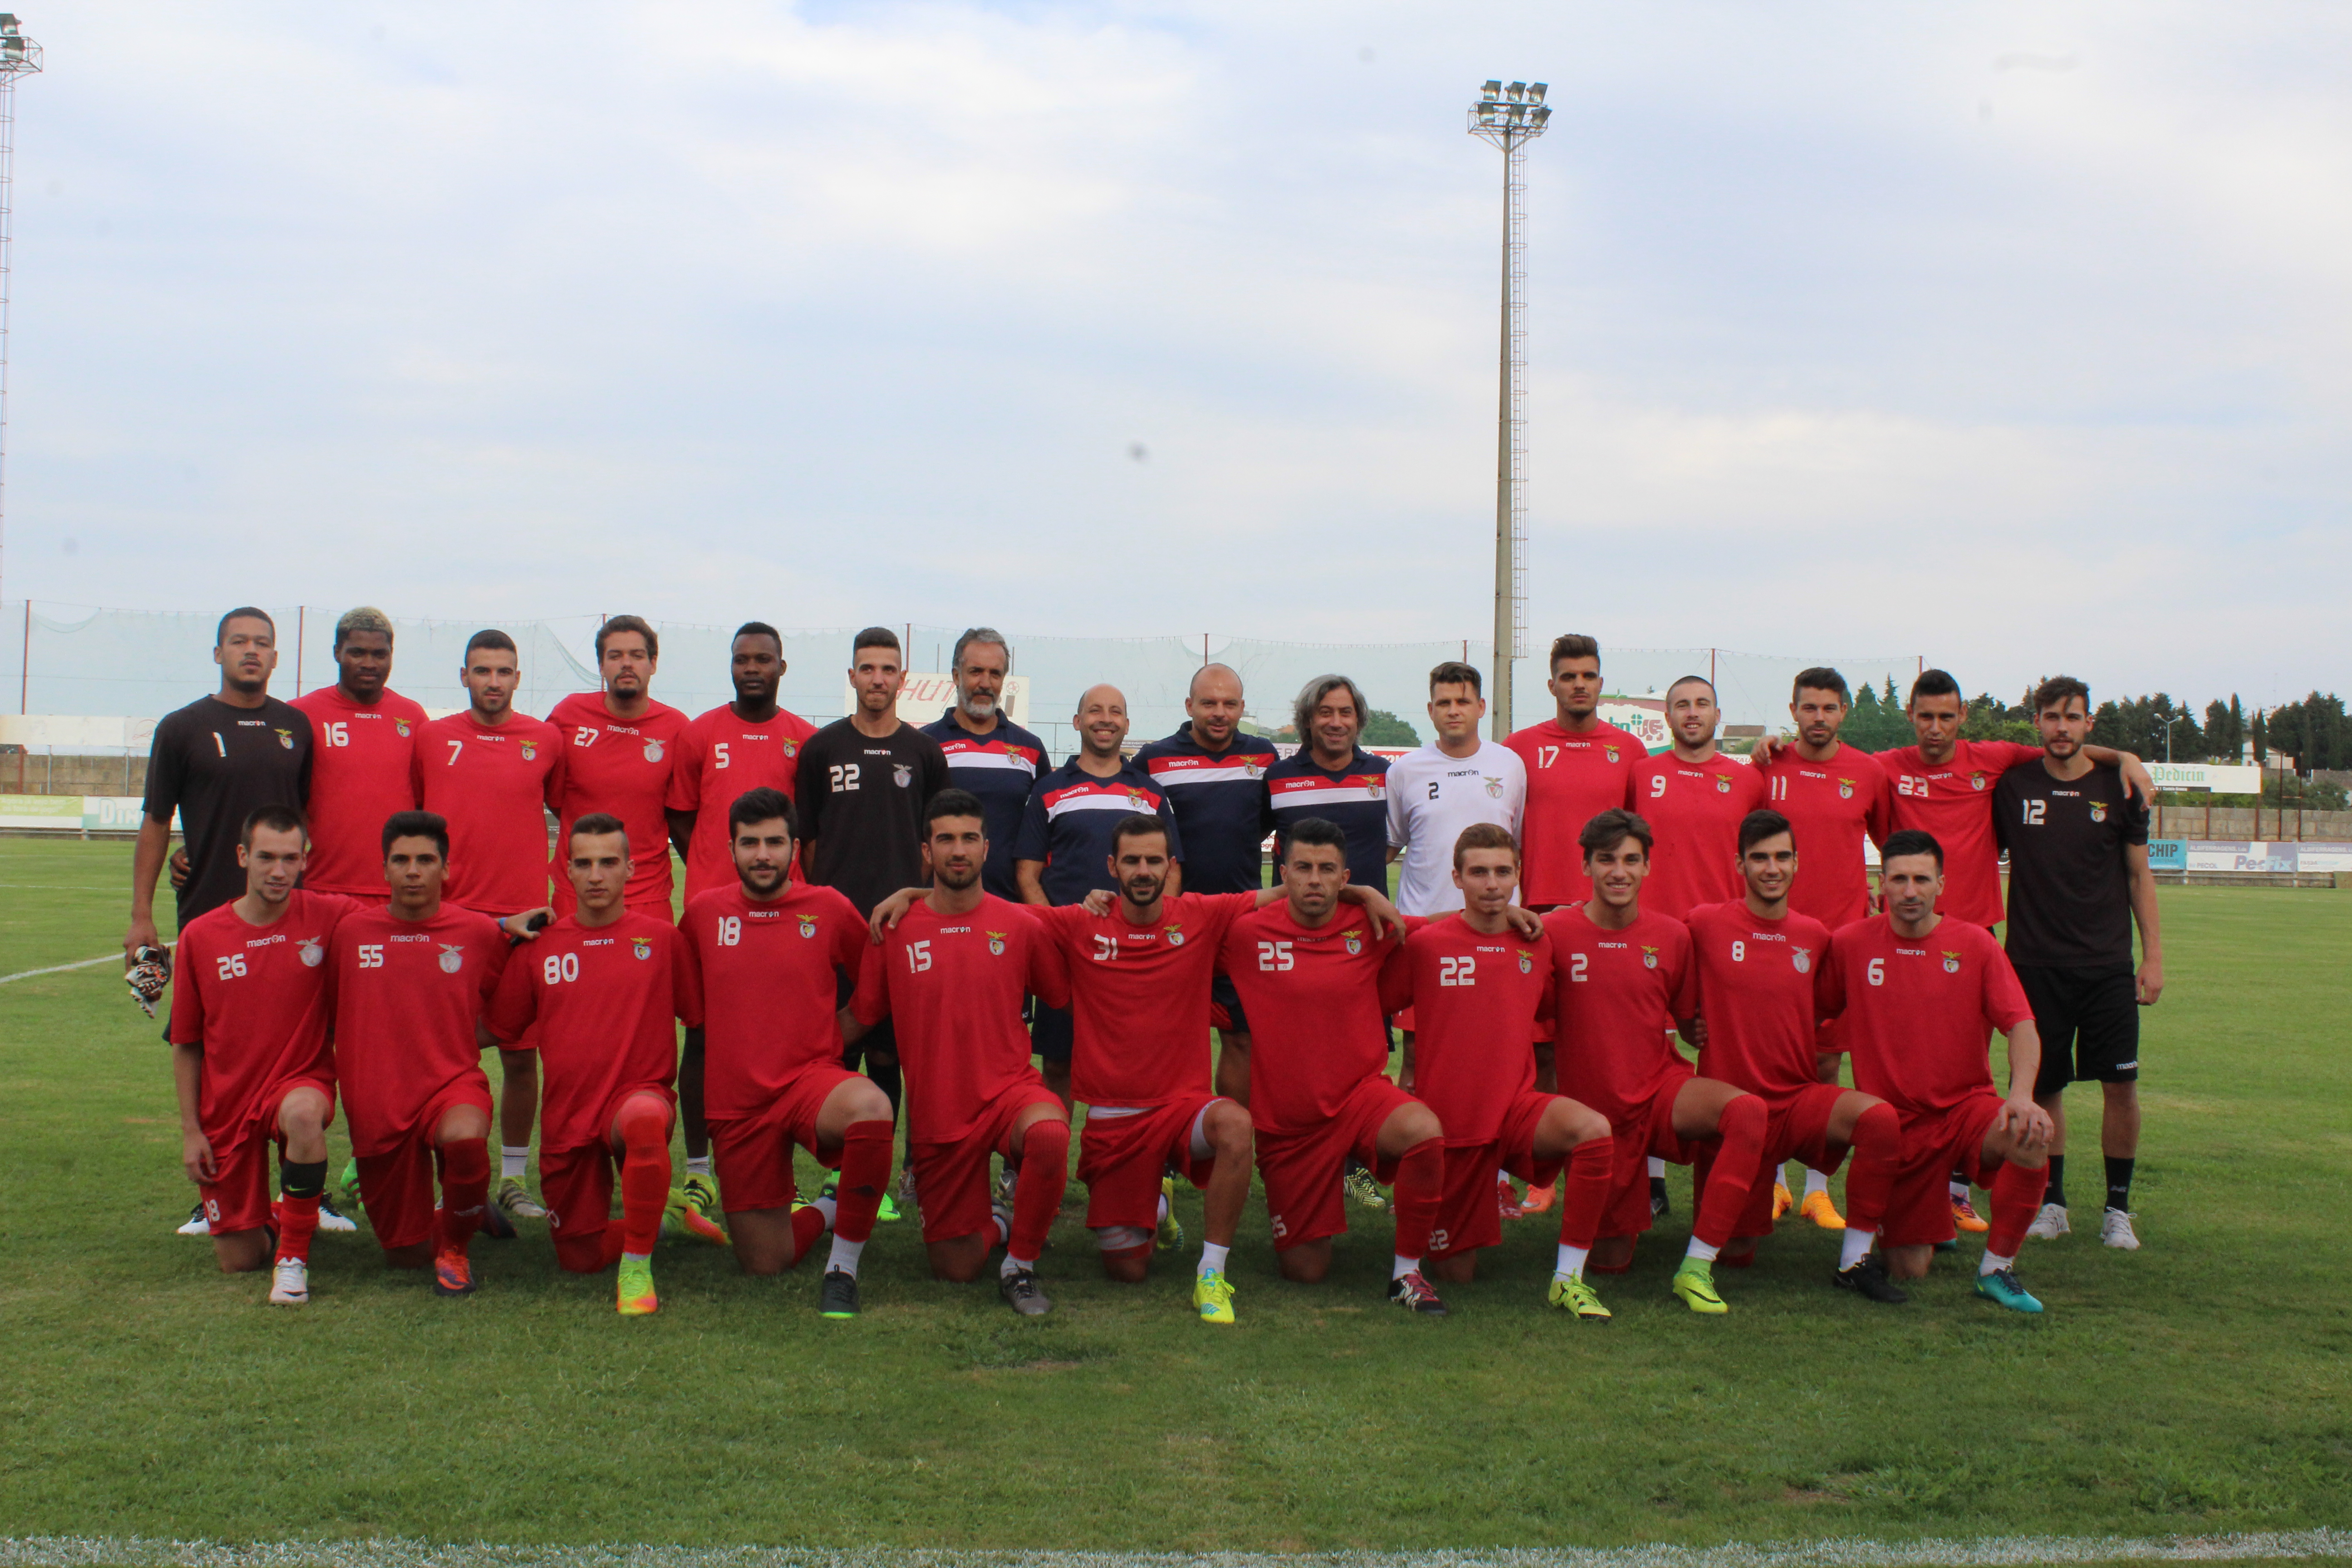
[(861, 801), (2069, 887), (215, 765)]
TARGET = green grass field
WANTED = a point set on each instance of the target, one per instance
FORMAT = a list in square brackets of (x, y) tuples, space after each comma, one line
[(2203, 1385)]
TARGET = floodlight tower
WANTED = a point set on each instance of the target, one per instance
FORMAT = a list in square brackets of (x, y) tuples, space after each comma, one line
[(19, 56), (1511, 116)]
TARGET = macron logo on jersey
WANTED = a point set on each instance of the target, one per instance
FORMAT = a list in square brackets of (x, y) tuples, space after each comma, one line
[(1312, 790), (1170, 772), (990, 754), (1100, 797)]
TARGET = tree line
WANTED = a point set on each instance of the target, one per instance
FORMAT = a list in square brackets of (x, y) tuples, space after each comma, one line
[(2313, 731)]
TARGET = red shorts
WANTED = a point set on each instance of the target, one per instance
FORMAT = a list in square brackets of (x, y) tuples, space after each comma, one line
[(1647, 1134), (951, 1179), (396, 1186), (1798, 1130), (238, 1197), (1301, 1171), (754, 1153), (1934, 1145), (1122, 1158), (576, 1185), (1466, 1216)]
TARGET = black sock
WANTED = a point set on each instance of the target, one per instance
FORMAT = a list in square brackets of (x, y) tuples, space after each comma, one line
[(302, 1179), (2119, 1175), (2055, 1192)]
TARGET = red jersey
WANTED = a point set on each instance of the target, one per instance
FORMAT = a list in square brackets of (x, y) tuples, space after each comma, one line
[(1139, 995), (1830, 807), (1953, 801), (254, 998), (954, 985), (493, 784), (1314, 1002), (759, 980), (1759, 990), (623, 767), (407, 996), (1474, 1000), (1916, 1014), (363, 769), (599, 1006), (1572, 779), (1617, 997), (720, 757), (1695, 809)]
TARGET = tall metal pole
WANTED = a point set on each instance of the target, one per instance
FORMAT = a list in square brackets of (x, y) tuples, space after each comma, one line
[(1507, 620), (19, 56)]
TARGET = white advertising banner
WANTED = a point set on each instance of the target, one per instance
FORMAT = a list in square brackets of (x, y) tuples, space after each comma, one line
[(2218, 778)]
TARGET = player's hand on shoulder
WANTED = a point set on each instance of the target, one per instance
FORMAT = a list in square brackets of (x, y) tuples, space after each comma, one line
[(1099, 902), (1384, 915), (891, 911), (1524, 921), (1760, 755), (526, 926), (2137, 784)]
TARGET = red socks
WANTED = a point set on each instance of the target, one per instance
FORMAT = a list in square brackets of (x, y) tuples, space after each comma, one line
[(1585, 1192), (1732, 1175), (644, 1126), (1420, 1186), (866, 1174), (298, 1221), (1044, 1172), (1877, 1154), (465, 1188), (2016, 1197), (808, 1229)]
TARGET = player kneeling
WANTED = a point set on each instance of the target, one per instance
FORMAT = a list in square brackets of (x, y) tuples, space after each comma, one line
[(763, 965), (1477, 985), (597, 1000), (1917, 997)]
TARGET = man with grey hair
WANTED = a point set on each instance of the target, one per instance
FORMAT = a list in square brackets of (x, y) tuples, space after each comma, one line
[(989, 755), (1332, 777)]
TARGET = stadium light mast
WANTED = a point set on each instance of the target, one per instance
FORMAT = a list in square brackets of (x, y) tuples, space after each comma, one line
[(19, 56), (1509, 118)]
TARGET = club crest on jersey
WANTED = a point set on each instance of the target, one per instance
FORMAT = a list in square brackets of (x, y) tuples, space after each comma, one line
[(1723, 783), (1135, 798), (1803, 959), (1951, 963), (808, 925), (1845, 789), (401, 727), (1527, 962), (1175, 936), (314, 953), (529, 750), (1975, 781), (1649, 957), (1612, 751), (453, 958), (902, 775), (1254, 766), (996, 944), (2098, 811), (644, 945), (791, 748), (286, 738), (653, 751), (1495, 786), (1354, 941)]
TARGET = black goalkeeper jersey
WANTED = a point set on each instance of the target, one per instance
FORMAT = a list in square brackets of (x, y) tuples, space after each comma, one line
[(861, 800), (2069, 884)]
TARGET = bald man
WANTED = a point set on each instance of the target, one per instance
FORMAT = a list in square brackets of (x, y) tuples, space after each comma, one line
[(1063, 850)]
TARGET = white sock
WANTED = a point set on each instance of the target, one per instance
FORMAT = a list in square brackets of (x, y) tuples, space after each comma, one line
[(1993, 1263), (1701, 1250), (1856, 1248), (1572, 1262), (513, 1161), (1816, 1181), (697, 1164), (1960, 1191), (1213, 1258), (1404, 1266), (1163, 1207), (1658, 1169), (827, 1207), (844, 1256), (1013, 1265)]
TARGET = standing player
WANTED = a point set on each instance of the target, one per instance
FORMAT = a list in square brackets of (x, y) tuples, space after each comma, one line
[(764, 962), (1694, 798), (1214, 778), (1457, 779), (1064, 852), (596, 1001), (1760, 967), (620, 746), (953, 974), (1309, 975), (989, 756), (2078, 881), (493, 775), (1476, 987), (1623, 982), (1917, 996), (1834, 797), (214, 763), (364, 767), (250, 1058), (747, 744), (1577, 768)]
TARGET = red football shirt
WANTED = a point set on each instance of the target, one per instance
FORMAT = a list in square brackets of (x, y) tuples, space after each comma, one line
[(1314, 1003), (1830, 807), (1474, 1000), (720, 757), (1759, 990), (254, 998), (1616, 997), (623, 767), (954, 985), (363, 769), (600, 1007), (1139, 996), (406, 997), (494, 785), (759, 980), (1695, 809), (1916, 1014), (1953, 801), (1572, 779)]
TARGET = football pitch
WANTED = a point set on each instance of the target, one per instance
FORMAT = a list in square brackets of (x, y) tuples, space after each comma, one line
[(2201, 1387)]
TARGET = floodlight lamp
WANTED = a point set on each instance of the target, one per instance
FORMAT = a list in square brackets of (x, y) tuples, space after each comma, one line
[(1535, 92), (1518, 91), (1492, 89), (1538, 117), (8, 24), (1519, 112)]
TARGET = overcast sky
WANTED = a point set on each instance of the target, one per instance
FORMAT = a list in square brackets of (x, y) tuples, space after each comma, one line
[(2015, 336)]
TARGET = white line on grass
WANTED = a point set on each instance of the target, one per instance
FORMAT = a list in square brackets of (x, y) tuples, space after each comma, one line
[(95, 1552), (61, 968)]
